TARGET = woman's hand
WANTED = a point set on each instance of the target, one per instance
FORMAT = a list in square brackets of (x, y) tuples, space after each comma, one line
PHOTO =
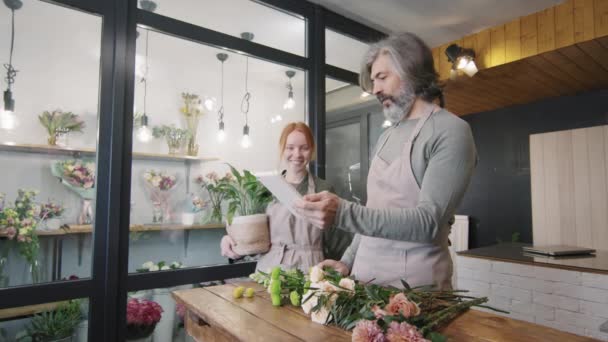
[(227, 246), (319, 209), (336, 265)]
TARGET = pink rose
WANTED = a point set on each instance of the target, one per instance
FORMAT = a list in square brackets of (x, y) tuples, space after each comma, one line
[(400, 304)]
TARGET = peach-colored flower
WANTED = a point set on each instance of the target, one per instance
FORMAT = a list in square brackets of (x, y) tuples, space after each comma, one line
[(367, 331), (347, 283), (403, 332), (378, 312), (400, 304), (320, 316)]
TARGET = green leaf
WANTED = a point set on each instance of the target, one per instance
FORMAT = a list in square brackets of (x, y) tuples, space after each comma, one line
[(436, 337)]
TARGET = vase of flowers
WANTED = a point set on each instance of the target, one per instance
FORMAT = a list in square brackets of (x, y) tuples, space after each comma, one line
[(192, 205), (142, 317), (247, 198), (159, 185), (50, 214), (192, 111), (19, 223), (78, 176), (210, 183), (174, 136), (58, 123)]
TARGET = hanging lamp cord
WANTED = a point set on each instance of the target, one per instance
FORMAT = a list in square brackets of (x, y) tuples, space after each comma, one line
[(11, 73), (220, 112), (247, 97), (145, 78)]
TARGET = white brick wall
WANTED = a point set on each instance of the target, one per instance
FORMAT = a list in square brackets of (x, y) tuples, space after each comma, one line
[(570, 301)]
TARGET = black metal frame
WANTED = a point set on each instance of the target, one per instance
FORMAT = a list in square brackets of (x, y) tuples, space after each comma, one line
[(107, 288)]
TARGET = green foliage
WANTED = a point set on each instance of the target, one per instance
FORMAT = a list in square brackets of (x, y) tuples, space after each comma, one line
[(54, 325), (170, 132), (245, 194), (60, 122)]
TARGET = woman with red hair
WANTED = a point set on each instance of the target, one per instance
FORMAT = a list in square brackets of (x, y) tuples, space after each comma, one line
[(295, 243)]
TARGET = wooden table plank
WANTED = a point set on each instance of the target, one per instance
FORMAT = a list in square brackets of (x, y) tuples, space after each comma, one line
[(229, 318), (287, 320)]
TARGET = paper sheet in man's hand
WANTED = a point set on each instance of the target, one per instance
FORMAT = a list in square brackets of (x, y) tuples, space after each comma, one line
[(283, 191)]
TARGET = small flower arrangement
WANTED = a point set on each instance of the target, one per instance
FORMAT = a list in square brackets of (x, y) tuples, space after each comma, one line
[(58, 122), (150, 266), (192, 111), (19, 224), (159, 180), (174, 136), (195, 204), (51, 210), (142, 317), (211, 183), (372, 312)]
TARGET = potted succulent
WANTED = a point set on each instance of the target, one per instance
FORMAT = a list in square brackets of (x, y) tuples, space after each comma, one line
[(175, 136), (247, 198), (58, 123), (56, 325)]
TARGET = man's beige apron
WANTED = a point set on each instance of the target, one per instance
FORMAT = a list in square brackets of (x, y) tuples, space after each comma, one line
[(388, 261), (294, 242)]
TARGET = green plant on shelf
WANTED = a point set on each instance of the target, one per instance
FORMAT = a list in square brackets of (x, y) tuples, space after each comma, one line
[(58, 123), (174, 136), (53, 325)]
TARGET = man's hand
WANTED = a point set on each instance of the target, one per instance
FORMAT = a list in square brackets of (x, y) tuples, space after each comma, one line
[(319, 209), (226, 245), (336, 265)]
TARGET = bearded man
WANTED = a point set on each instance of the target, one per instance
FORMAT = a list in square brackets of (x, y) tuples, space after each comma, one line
[(421, 167)]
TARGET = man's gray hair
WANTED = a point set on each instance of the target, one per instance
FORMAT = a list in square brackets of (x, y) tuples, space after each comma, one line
[(413, 61)]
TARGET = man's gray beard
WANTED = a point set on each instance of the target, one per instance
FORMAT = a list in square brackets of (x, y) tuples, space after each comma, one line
[(402, 106)]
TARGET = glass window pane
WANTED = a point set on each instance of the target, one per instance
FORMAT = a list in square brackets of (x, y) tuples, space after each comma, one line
[(21, 323), (51, 135), (343, 166), (343, 51), (271, 27), (167, 221)]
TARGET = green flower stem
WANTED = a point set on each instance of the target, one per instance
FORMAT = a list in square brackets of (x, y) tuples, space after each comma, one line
[(448, 314)]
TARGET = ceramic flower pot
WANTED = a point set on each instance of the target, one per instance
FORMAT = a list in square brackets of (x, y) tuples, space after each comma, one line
[(250, 233), (188, 219)]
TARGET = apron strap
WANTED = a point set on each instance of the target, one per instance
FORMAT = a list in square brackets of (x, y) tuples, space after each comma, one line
[(419, 126)]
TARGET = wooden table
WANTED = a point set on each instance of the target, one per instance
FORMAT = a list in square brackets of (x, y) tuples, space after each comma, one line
[(214, 315)]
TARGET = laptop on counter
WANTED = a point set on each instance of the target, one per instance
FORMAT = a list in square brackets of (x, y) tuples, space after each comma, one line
[(558, 250)]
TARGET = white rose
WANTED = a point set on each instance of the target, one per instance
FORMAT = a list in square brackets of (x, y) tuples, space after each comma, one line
[(320, 316), (147, 265), (316, 274), (347, 283), (308, 304), (165, 268), (153, 268), (328, 287)]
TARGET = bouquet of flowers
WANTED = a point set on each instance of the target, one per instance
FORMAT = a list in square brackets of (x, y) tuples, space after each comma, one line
[(211, 183), (372, 312), (58, 123), (159, 185), (19, 224), (78, 176), (159, 266), (49, 215), (142, 317)]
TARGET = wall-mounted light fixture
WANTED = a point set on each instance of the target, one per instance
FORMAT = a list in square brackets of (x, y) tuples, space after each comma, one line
[(221, 133), (246, 141), (462, 59), (8, 120), (290, 103)]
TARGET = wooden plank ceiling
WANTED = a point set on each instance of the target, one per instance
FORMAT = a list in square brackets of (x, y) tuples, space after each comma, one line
[(566, 71), (559, 51)]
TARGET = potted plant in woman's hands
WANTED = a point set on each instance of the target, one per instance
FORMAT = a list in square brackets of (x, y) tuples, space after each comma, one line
[(57, 325), (247, 199)]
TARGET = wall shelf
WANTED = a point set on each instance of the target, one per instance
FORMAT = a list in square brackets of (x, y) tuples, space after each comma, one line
[(80, 152), (27, 310), (86, 229)]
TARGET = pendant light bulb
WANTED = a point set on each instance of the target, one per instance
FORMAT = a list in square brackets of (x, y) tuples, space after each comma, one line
[(144, 134), (290, 103), (387, 123), (8, 120), (246, 141), (221, 132)]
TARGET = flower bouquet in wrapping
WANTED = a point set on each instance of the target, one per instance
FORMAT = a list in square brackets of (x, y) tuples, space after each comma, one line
[(372, 312), (78, 176), (159, 185)]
